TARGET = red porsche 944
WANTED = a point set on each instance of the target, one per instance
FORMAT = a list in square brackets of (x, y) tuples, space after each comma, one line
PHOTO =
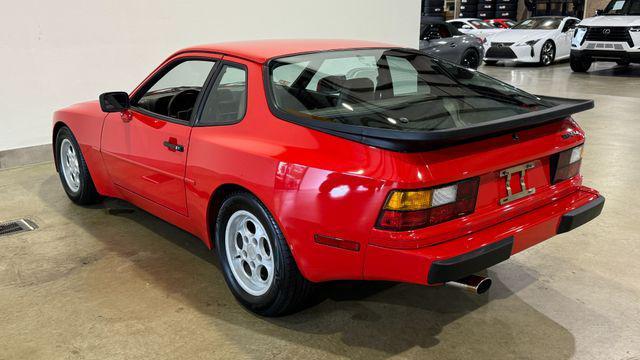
[(305, 161)]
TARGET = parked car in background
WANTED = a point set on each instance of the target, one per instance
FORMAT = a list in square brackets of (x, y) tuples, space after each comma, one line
[(475, 27), (306, 161), (501, 23), (613, 35), (440, 39), (540, 40)]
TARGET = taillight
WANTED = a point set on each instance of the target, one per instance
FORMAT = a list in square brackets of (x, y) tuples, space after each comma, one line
[(413, 209), (567, 164)]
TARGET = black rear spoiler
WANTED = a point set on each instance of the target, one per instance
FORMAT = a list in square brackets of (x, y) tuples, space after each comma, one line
[(414, 141)]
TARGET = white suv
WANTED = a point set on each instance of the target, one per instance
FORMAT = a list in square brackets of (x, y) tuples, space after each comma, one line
[(612, 35)]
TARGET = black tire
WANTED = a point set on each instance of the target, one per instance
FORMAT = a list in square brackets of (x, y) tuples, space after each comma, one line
[(623, 62), (490, 62), (506, 7), (579, 64), (86, 194), (470, 59), (506, 14), (468, 14), (486, 8), (289, 290), (468, 8), (468, 2), (547, 53), (484, 15)]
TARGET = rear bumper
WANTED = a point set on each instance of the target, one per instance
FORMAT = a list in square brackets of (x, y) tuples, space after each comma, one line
[(469, 254), (607, 55)]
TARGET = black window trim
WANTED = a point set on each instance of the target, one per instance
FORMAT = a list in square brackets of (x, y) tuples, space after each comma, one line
[(197, 115), (135, 97)]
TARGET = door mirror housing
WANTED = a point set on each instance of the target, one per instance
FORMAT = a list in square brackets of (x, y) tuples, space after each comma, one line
[(116, 101)]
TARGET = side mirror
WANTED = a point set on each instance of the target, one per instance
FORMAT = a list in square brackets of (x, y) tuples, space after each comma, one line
[(599, 12), (116, 101)]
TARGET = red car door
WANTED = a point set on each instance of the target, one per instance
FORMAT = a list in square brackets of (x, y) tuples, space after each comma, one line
[(145, 148)]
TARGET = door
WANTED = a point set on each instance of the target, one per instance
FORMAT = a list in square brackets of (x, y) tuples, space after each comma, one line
[(145, 148)]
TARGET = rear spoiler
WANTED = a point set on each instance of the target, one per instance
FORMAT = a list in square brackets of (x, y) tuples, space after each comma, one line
[(414, 141)]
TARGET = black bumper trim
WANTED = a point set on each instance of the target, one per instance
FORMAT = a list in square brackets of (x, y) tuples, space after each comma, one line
[(581, 215), (457, 267), (607, 55)]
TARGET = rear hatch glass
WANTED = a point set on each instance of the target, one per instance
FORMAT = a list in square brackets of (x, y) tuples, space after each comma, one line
[(391, 97)]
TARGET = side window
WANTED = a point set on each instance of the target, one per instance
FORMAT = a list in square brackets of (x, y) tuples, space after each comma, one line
[(443, 31), (175, 93), (227, 101), (457, 24)]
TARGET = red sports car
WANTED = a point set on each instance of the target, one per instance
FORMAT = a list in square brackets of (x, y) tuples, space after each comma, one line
[(501, 23), (305, 161)]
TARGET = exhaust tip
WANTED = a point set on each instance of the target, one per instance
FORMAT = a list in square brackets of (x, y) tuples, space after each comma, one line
[(484, 286), (473, 283)]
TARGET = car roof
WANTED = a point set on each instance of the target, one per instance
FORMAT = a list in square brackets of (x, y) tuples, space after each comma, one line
[(261, 51)]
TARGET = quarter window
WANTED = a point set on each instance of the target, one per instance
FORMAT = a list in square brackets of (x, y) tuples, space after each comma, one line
[(227, 101), (174, 94)]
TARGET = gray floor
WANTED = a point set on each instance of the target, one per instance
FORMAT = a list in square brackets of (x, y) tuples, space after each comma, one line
[(94, 285)]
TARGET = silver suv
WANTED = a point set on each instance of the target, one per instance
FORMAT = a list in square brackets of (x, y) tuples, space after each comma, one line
[(612, 35)]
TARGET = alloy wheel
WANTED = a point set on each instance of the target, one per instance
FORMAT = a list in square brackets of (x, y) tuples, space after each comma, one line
[(70, 165), (470, 60), (249, 253), (547, 54)]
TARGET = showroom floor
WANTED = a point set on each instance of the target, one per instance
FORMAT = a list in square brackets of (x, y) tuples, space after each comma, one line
[(94, 283)]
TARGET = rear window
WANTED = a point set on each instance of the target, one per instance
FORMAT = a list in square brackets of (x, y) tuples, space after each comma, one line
[(390, 88)]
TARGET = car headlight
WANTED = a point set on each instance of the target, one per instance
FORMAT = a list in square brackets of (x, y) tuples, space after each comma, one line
[(635, 29), (528, 43), (578, 36)]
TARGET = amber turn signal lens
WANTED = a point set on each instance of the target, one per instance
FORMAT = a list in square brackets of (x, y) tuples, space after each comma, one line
[(409, 200)]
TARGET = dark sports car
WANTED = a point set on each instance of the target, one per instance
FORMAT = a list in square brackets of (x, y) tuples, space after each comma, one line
[(443, 40)]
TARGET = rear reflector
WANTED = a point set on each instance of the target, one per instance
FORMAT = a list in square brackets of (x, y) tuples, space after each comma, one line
[(338, 243), (403, 212)]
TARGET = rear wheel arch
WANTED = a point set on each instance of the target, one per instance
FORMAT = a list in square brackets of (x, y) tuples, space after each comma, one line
[(215, 202)]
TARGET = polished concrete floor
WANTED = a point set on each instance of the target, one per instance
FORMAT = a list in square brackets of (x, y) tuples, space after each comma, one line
[(92, 283)]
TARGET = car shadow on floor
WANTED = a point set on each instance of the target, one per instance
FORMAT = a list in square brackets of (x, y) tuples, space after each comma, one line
[(349, 319), (632, 70)]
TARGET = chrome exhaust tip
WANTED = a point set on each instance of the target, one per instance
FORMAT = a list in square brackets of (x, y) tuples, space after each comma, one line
[(473, 283)]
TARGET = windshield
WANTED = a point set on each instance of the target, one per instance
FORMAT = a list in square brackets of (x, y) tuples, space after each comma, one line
[(390, 88), (539, 24), (479, 24), (622, 7)]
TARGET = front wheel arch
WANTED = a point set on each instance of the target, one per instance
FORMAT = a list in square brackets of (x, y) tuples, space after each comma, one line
[(56, 128)]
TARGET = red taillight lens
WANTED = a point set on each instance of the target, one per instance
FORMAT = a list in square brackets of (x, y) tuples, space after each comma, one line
[(413, 209), (566, 164)]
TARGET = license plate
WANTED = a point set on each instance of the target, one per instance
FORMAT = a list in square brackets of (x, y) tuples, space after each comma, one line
[(508, 173)]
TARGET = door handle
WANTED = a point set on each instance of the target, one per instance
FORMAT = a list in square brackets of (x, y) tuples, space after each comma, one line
[(173, 147)]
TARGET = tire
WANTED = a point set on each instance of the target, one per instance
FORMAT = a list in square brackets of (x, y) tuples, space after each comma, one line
[(468, 14), (506, 7), (469, 2), (490, 62), (73, 171), (506, 14), (486, 7), (578, 64), (547, 53), (468, 8), (261, 273), (485, 15), (470, 59)]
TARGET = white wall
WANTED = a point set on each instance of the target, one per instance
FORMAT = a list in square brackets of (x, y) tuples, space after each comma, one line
[(55, 53)]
